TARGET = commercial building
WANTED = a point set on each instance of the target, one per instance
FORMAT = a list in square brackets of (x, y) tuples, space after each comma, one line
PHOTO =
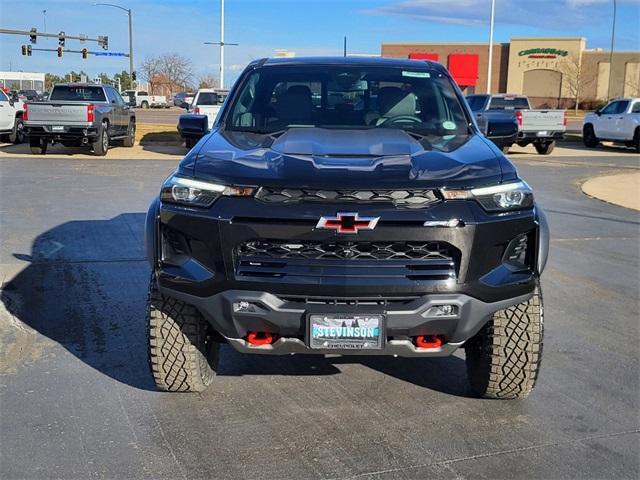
[(22, 81), (552, 72)]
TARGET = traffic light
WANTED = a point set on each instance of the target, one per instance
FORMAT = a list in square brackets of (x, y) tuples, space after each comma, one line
[(33, 36), (29, 49), (60, 52), (85, 53), (61, 40), (133, 76), (23, 48)]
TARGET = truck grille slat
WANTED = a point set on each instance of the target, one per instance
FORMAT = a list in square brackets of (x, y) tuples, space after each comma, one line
[(414, 198), (308, 261)]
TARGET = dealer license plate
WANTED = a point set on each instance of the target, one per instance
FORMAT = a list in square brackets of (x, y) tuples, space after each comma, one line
[(57, 128), (346, 331), (543, 133)]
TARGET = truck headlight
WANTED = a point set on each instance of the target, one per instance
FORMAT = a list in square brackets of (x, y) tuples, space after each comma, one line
[(196, 193), (496, 198)]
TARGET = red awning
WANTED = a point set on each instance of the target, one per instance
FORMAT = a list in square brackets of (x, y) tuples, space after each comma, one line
[(424, 56), (464, 68)]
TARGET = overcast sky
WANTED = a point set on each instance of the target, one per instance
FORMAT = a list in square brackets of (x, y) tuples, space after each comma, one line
[(307, 27)]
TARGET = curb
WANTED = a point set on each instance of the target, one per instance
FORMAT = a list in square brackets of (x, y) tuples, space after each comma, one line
[(621, 189)]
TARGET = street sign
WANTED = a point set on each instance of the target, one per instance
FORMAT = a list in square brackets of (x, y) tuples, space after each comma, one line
[(110, 54)]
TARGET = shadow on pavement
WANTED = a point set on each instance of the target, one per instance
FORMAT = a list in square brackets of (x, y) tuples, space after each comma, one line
[(85, 287)]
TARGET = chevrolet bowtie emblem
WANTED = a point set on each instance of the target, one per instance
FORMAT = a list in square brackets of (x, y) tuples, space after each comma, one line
[(347, 223)]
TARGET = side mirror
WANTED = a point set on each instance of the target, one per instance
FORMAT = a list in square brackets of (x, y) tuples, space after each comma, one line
[(483, 123), (598, 112), (184, 105)]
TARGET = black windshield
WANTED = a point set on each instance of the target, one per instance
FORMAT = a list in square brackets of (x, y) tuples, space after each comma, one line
[(416, 99)]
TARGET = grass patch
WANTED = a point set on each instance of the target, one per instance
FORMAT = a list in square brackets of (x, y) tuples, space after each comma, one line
[(151, 133)]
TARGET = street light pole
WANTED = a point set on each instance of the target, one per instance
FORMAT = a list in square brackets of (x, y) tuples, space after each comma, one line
[(130, 14), (490, 67), (613, 36)]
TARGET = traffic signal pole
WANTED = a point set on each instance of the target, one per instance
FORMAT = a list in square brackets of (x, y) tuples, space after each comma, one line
[(33, 32)]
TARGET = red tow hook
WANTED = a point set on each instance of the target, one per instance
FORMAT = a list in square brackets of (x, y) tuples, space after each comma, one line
[(429, 341), (259, 338)]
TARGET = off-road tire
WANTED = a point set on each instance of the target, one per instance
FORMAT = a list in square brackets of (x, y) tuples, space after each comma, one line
[(130, 139), (182, 355), (636, 140), (544, 148), (101, 145), (589, 137), (37, 146), (144, 105), (17, 136), (503, 358)]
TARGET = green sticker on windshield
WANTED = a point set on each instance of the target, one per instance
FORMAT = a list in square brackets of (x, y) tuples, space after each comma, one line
[(416, 74), (448, 125)]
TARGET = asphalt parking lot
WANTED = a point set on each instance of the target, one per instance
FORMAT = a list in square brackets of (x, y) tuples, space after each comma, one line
[(77, 398)]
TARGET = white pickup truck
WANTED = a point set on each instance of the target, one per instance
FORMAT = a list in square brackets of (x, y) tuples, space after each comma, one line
[(144, 100), (540, 127), (618, 122), (11, 125), (206, 105)]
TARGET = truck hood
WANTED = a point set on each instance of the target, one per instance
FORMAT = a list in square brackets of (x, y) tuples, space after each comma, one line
[(318, 158)]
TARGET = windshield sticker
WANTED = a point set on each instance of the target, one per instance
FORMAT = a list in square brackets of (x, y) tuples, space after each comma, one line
[(448, 125), (416, 74)]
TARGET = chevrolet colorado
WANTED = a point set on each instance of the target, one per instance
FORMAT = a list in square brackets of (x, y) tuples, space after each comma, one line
[(349, 206)]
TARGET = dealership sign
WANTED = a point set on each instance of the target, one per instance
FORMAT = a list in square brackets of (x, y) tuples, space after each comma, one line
[(542, 53)]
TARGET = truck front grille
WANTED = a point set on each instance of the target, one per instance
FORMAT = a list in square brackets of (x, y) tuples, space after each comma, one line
[(306, 262), (399, 198)]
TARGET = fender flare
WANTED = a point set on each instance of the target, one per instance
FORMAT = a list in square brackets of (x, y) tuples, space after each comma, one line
[(543, 240), (151, 232)]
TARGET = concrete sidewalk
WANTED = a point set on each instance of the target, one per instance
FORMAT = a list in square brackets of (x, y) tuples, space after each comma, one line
[(621, 189)]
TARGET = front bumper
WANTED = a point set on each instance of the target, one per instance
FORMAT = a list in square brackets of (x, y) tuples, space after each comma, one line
[(265, 312), (207, 270)]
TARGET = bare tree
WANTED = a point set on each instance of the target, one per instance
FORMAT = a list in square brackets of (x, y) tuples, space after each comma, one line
[(207, 81), (177, 68), (575, 78), (150, 69)]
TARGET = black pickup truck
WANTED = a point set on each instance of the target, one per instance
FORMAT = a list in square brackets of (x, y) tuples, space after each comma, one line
[(346, 206)]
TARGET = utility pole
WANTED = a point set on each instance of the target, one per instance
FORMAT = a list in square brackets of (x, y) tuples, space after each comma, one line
[(490, 67), (345, 46), (613, 36), (221, 43)]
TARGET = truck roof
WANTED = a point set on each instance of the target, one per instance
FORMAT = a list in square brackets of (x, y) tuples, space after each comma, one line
[(79, 84), (355, 61)]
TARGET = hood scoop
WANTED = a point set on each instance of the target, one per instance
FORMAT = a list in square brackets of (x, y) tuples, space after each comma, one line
[(339, 145)]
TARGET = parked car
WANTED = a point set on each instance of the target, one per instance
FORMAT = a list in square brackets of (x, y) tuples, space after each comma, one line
[(80, 114), (183, 97), (191, 126), (29, 95), (403, 233), (142, 99), (618, 122), (540, 127), (11, 119)]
